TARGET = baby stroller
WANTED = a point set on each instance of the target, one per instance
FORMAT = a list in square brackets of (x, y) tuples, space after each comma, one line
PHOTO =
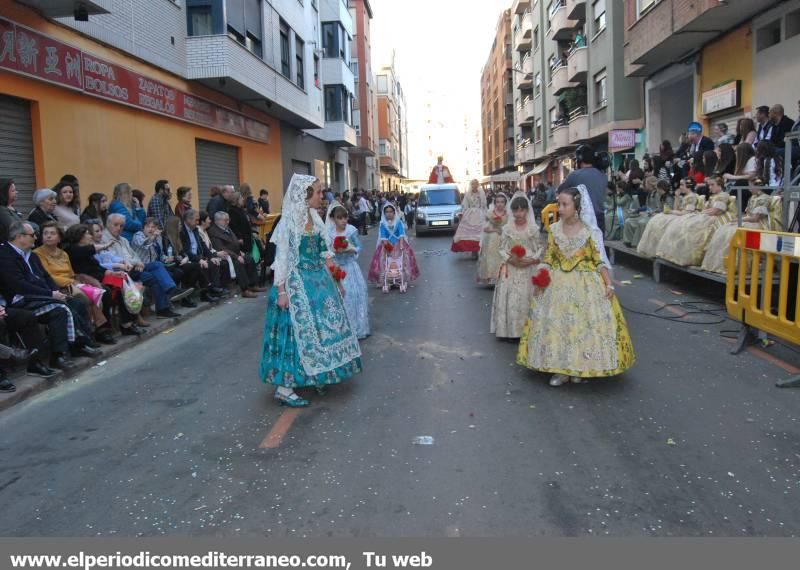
[(394, 274)]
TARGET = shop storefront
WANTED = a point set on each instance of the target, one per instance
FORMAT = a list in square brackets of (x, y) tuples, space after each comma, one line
[(70, 105)]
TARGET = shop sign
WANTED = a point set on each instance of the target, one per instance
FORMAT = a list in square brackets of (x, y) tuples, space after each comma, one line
[(30, 53), (621, 139), (722, 98)]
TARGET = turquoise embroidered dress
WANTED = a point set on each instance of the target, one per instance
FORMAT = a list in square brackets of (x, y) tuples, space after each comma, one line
[(310, 343)]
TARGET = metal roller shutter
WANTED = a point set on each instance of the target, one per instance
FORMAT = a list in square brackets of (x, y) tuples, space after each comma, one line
[(16, 150), (217, 165)]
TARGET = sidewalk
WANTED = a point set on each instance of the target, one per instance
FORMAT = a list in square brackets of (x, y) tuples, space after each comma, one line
[(28, 386)]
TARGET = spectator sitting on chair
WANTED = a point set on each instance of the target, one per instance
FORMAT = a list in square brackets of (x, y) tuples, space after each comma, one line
[(148, 246), (198, 251), (45, 200), (154, 275), (263, 201), (57, 264), (81, 248), (242, 265), (22, 324), (130, 207), (27, 284), (192, 276), (68, 205)]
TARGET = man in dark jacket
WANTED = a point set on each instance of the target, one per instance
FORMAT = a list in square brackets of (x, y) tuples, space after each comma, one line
[(196, 250), (25, 284), (782, 126), (223, 239)]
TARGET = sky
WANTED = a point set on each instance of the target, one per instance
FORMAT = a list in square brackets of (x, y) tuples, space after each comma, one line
[(440, 48)]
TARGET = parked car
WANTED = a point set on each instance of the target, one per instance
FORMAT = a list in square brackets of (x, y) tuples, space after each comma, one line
[(438, 208)]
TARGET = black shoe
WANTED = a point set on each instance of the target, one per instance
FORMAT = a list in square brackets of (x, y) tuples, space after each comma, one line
[(7, 387), (178, 294), (105, 336), (167, 314), (87, 350), (188, 303), (62, 361), (40, 370), (216, 292), (208, 298), (132, 330)]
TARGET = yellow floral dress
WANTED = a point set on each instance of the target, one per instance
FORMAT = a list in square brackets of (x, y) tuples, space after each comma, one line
[(572, 328), (514, 289), (658, 225), (489, 260), (717, 250), (685, 241)]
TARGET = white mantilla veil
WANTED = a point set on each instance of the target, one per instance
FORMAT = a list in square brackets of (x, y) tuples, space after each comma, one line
[(588, 218), (531, 215), (330, 223), (397, 229), (318, 354), (490, 209)]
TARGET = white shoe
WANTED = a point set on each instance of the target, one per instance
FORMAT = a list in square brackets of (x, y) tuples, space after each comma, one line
[(576, 380), (558, 380)]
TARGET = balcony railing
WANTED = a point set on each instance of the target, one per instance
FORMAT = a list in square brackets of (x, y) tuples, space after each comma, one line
[(578, 125), (520, 6), (560, 81), (561, 27), (525, 112), (526, 25)]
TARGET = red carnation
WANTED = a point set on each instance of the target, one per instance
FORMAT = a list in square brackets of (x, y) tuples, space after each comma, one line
[(337, 273), (388, 247), (541, 279), (518, 251), (340, 243)]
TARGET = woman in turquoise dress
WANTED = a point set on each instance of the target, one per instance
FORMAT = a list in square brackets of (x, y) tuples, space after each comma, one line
[(308, 340)]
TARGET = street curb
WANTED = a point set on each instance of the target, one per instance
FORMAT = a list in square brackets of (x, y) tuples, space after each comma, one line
[(28, 386)]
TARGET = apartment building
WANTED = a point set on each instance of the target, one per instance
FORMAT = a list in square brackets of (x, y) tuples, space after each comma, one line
[(571, 87), (392, 130), (712, 60), (364, 168), (497, 102)]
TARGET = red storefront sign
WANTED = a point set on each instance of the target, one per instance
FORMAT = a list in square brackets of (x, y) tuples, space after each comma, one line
[(25, 51)]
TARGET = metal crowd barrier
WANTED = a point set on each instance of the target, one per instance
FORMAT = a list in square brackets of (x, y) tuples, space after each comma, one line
[(762, 303)]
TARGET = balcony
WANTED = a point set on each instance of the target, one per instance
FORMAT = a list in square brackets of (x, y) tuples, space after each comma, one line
[(671, 30), (68, 8), (521, 42), (526, 25), (336, 11), (576, 10), (578, 65), (336, 132), (526, 152), (390, 165), (560, 81), (520, 6), (561, 27), (560, 136), (241, 75), (336, 72), (525, 113), (578, 125), (526, 77)]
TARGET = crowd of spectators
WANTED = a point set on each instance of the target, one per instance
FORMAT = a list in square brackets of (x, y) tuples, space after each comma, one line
[(63, 270)]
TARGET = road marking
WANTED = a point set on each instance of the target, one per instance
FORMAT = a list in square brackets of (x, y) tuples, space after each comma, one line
[(671, 309), (275, 436), (771, 358)]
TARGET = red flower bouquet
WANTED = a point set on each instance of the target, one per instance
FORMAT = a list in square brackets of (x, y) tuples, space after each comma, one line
[(541, 279), (518, 251), (340, 243), (388, 247), (337, 273)]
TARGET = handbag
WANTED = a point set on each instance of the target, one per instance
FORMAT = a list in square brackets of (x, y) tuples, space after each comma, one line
[(255, 253), (132, 295)]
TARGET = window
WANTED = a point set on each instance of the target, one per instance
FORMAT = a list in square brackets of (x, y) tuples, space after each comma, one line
[(768, 36), (316, 71), (285, 61), (335, 41), (536, 38), (354, 69), (600, 93), (537, 84), (338, 104), (538, 132), (383, 84), (382, 147), (553, 117), (201, 21), (792, 24), (244, 23), (643, 6), (599, 11), (299, 56)]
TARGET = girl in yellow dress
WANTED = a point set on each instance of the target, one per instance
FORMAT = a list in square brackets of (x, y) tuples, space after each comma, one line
[(685, 241), (685, 203), (575, 327), (521, 250), (756, 216), (489, 260)]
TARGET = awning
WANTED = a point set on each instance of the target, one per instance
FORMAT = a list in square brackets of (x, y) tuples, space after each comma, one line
[(504, 177), (538, 169)]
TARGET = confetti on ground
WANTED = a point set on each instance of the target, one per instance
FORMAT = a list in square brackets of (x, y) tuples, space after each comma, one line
[(423, 440), (671, 441), (169, 331)]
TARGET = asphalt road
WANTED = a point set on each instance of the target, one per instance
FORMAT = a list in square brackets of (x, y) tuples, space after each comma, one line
[(169, 438)]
